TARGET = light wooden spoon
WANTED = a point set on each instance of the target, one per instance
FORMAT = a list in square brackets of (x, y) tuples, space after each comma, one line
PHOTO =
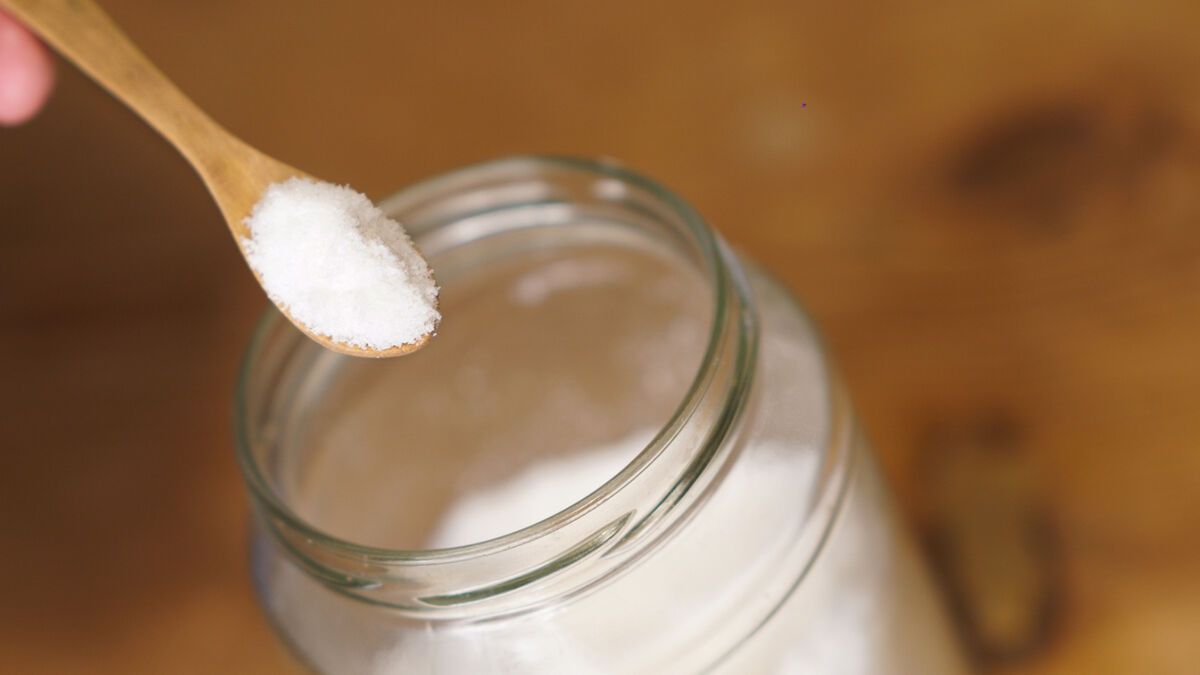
[(235, 173)]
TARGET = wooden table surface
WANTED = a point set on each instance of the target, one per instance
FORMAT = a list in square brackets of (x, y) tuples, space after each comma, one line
[(991, 208)]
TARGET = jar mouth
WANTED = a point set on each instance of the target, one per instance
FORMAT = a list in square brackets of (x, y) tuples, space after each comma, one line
[(732, 330)]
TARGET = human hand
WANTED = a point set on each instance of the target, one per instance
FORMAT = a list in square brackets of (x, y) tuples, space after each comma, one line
[(26, 73)]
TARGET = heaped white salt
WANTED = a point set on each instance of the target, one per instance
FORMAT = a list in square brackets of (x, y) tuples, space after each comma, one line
[(337, 264)]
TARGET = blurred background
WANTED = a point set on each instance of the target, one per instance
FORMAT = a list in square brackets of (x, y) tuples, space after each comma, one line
[(991, 208)]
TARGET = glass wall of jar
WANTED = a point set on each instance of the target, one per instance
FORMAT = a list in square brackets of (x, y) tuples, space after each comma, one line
[(623, 453)]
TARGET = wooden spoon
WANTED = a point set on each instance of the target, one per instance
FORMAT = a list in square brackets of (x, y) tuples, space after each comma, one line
[(235, 173)]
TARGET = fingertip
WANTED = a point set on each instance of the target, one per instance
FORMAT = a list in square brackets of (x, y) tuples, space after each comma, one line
[(26, 73)]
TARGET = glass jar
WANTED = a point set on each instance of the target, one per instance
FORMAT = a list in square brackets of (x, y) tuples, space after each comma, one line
[(624, 453)]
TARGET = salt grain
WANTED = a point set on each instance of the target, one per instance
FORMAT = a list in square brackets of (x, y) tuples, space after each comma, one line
[(339, 266)]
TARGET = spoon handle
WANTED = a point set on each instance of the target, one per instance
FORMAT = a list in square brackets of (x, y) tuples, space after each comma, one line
[(82, 32)]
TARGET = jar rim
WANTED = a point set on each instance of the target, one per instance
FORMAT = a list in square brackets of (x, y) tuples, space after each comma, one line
[(715, 257)]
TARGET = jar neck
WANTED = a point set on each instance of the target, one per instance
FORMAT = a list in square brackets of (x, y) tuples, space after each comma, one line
[(626, 519)]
